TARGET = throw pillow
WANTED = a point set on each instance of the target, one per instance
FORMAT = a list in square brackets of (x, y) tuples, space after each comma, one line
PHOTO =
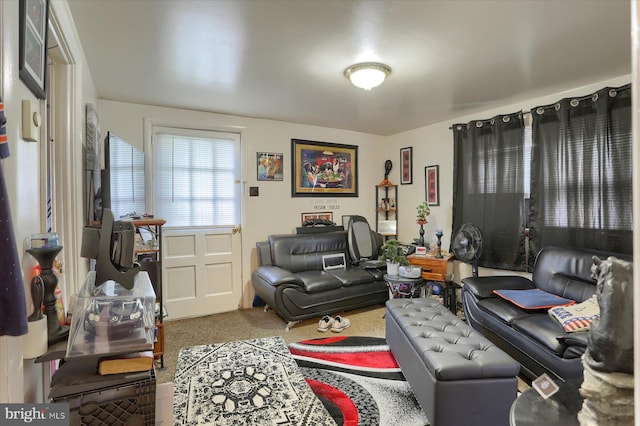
[(577, 317), (533, 298)]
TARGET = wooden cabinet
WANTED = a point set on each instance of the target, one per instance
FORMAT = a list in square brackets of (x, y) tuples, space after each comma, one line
[(387, 210), (158, 346), (436, 269), (148, 253), (433, 269)]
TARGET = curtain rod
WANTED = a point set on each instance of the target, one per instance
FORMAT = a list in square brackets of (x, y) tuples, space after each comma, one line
[(577, 98), (523, 113)]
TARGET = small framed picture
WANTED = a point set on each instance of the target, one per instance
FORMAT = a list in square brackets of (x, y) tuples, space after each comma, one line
[(317, 216), (545, 386), (34, 17), (269, 166), (431, 186), (406, 166)]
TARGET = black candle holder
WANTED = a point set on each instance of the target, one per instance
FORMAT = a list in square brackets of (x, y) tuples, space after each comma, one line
[(439, 251), (45, 256), (421, 239)]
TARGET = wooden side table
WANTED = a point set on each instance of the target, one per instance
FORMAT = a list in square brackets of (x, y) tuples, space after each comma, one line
[(433, 269), (436, 269)]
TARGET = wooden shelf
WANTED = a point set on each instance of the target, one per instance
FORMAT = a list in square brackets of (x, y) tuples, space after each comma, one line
[(158, 347), (146, 251), (387, 209), (149, 222)]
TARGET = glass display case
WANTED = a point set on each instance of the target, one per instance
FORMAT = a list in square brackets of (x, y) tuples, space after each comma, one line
[(109, 319)]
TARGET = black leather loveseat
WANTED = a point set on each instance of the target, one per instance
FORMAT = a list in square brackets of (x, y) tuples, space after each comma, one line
[(292, 279), (532, 337)]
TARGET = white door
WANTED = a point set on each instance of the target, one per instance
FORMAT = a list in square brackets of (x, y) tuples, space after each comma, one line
[(196, 189), (201, 271)]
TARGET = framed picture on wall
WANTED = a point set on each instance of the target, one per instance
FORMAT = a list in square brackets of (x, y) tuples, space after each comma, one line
[(317, 216), (431, 185), (32, 68), (269, 166), (406, 166), (321, 169)]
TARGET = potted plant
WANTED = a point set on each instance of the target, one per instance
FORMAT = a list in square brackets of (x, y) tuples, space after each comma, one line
[(391, 251), (421, 219)]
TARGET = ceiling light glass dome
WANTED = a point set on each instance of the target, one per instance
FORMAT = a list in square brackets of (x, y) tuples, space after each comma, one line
[(367, 75)]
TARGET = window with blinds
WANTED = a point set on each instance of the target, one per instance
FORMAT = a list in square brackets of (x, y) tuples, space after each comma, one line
[(196, 177), (126, 177)]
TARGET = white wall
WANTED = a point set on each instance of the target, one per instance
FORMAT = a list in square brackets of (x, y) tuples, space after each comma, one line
[(274, 210), (22, 380)]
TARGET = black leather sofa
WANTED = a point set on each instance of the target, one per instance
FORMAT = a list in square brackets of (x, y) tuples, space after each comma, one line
[(532, 337), (291, 278)]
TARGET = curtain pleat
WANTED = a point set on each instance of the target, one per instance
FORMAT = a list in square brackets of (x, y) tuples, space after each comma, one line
[(489, 187), (581, 173)]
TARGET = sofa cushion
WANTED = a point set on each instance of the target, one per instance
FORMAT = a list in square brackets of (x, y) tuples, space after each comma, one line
[(351, 276), (317, 281), (503, 309), (533, 298), (377, 274), (483, 287), (567, 271), (543, 329), (298, 253)]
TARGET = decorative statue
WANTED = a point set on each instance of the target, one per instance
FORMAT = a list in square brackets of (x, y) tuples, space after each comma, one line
[(607, 388), (610, 344), (387, 168)]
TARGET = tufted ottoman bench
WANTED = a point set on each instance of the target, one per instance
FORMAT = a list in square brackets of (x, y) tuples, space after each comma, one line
[(458, 376)]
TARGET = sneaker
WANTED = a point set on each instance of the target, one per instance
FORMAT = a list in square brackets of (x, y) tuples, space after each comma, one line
[(325, 324), (340, 324)]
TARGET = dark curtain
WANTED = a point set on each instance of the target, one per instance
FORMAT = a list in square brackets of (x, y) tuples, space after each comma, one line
[(581, 181), (488, 187)]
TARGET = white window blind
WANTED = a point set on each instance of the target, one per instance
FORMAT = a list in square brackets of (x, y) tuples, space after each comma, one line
[(196, 177), (126, 172)]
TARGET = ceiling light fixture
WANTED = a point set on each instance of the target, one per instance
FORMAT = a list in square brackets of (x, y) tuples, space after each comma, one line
[(367, 75)]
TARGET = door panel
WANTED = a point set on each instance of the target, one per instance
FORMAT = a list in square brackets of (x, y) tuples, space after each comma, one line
[(201, 271)]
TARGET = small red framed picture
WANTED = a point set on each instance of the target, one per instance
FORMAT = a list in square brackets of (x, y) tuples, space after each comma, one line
[(406, 165), (431, 186)]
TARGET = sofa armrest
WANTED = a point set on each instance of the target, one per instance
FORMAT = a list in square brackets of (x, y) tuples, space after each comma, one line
[(263, 249), (275, 275), (482, 287)]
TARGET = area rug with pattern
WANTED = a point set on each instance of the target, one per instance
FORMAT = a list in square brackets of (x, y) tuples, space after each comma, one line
[(358, 380), (248, 382)]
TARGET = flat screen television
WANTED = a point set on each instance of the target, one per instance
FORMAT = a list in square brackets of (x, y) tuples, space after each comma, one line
[(122, 179)]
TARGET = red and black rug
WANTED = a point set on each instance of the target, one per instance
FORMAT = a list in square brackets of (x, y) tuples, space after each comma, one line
[(358, 380)]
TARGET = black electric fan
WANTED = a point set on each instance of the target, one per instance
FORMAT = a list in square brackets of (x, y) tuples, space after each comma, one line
[(467, 245)]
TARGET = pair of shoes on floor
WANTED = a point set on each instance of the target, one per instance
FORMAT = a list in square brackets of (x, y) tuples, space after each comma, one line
[(336, 324)]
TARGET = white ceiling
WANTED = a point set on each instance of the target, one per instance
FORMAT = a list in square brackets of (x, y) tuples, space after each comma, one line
[(284, 59)]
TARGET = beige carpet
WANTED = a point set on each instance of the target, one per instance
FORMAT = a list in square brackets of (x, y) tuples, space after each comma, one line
[(252, 324), (255, 323)]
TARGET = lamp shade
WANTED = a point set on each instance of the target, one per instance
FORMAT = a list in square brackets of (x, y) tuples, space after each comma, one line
[(367, 75)]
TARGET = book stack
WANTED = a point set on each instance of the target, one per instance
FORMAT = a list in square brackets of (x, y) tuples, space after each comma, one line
[(128, 363)]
